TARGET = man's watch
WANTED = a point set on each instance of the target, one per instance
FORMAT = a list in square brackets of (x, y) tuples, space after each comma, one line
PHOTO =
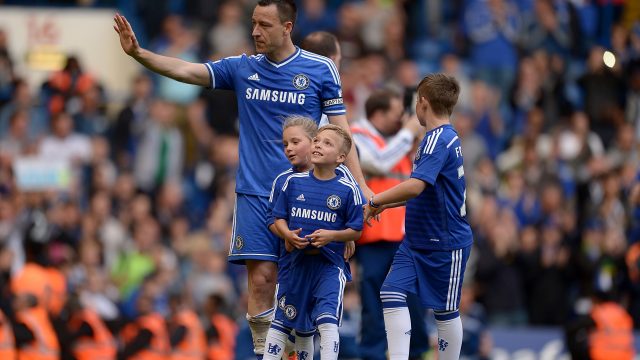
[(372, 204)]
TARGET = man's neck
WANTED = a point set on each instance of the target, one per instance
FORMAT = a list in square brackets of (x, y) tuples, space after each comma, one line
[(324, 172), (281, 54)]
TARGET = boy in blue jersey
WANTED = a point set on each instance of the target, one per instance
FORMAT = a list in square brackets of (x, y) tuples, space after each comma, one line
[(281, 80), (316, 213), (297, 135), (431, 260)]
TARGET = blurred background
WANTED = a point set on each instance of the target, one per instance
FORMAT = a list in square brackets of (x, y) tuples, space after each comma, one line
[(121, 182)]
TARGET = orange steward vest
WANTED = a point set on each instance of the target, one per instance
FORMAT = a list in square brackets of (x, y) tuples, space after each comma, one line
[(613, 335), (101, 346), (45, 344), (391, 224), (194, 344), (160, 346), (224, 348), (58, 287), (7, 340), (33, 279)]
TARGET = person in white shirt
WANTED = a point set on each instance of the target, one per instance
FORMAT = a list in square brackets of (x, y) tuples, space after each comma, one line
[(64, 143)]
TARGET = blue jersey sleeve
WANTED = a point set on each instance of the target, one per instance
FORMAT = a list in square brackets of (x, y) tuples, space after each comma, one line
[(221, 72), (353, 211), (431, 160), (281, 205), (332, 102)]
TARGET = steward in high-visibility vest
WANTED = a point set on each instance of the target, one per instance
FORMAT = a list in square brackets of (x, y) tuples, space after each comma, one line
[(221, 337), (188, 339), (612, 337), (37, 340), (390, 227), (7, 340), (93, 340), (32, 279), (147, 337)]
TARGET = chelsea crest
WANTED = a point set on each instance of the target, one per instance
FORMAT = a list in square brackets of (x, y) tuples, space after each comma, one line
[(301, 81), (334, 202)]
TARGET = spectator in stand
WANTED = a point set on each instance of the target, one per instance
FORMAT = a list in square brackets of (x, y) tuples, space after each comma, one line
[(6, 69), (177, 40), (229, 35), (498, 272), (602, 95), (313, 16), (64, 143), (547, 28), (22, 99), (16, 141), (131, 122), (160, 154), (91, 118), (493, 27)]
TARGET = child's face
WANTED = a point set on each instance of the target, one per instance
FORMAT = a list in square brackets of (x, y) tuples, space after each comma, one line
[(297, 146), (327, 148)]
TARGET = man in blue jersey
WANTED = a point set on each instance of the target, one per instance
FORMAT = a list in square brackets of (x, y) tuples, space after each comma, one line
[(431, 260), (316, 213), (281, 80)]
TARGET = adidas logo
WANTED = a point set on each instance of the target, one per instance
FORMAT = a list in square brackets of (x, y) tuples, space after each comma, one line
[(300, 197), (254, 77)]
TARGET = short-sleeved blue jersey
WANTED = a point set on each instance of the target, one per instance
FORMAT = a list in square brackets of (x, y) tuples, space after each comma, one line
[(311, 204), (278, 184), (304, 84), (436, 219)]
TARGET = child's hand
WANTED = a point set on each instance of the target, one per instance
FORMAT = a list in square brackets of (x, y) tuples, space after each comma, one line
[(320, 237), (349, 249), (371, 213), (295, 241), (288, 246)]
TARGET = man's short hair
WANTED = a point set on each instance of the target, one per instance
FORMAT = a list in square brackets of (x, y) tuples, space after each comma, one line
[(287, 9), (379, 100), (322, 43), (346, 138), (441, 90)]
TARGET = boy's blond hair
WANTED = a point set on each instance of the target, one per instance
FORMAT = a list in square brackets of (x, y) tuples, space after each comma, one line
[(346, 138), (307, 124)]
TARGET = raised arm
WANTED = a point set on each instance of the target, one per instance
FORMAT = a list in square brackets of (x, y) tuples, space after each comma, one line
[(177, 69)]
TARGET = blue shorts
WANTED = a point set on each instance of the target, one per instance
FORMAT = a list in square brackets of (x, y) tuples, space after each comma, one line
[(435, 276), (314, 294), (250, 238)]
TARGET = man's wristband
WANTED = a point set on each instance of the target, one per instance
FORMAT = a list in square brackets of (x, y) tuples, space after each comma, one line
[(372, 204)]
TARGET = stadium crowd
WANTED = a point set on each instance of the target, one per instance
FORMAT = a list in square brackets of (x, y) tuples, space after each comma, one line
[(550, 129)]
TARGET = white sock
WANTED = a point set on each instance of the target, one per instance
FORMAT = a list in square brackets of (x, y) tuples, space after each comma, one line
[(449, 338), (290, 346), (274, 345), (329, 341), (304, 347), (397, 323), (259, 325)]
